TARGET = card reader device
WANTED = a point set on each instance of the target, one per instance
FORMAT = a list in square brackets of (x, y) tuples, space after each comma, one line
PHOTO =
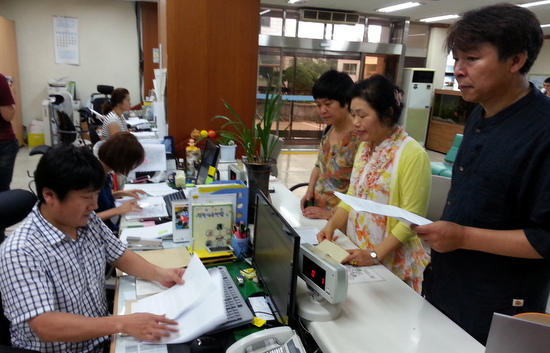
[(327, 281)]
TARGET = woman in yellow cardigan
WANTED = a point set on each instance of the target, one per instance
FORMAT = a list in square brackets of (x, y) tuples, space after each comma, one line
[(390, 168)]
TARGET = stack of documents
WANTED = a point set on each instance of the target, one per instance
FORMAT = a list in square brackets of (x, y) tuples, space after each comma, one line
[(198, 305)]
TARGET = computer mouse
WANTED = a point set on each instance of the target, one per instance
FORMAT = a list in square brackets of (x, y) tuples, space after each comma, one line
[(206, 344)]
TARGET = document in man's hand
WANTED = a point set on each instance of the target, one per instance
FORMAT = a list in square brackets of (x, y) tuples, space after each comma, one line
[(198, 305), (361, 205)]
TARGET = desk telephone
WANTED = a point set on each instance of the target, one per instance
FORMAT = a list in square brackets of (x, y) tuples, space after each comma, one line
[(274, 340)]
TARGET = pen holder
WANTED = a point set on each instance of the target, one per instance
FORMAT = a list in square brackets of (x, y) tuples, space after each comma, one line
[(240, 246)]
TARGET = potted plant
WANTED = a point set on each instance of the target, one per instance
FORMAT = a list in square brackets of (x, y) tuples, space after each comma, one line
[(251, 137), (257, 141), (228, 147)]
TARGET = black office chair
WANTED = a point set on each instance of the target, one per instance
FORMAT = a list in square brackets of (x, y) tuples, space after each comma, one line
[(94, 121), (299, 185), (67, 132), (15, 205), (103, 94)]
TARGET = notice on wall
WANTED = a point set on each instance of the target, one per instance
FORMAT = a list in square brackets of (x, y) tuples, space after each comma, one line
[(65, 36)]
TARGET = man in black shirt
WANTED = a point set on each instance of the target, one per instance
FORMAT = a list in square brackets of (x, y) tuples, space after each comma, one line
[(491, 251)]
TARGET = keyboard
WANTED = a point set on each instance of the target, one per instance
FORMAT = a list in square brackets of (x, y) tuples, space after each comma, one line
[(176, 196), (238, 313)]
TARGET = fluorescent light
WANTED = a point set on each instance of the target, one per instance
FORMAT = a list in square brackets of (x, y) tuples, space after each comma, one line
[(403, 6), (536, 3), (264, 11), (545, 26), (439, 18)]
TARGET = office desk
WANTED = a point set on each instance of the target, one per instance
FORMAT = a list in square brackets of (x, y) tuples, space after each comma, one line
[(384, 316)]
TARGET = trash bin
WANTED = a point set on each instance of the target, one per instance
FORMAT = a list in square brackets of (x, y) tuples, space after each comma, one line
[(36, 133)]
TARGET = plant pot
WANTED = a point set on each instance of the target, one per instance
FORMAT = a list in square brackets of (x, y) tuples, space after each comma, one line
[(227, 153), (258, 180)]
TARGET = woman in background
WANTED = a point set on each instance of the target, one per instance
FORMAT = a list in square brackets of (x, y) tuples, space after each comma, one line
[(390, 168), (120, 154), (332, 170), (113, 110)]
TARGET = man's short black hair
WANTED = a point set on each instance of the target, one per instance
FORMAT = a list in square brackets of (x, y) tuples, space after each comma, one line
[(510, 28), (332, 85), (547, 80), (66, 168)]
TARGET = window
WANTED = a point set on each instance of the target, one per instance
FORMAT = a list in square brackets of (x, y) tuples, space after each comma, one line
[(350, 69)]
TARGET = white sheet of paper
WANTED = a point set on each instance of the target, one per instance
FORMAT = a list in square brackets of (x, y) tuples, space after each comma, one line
[(179, 298), (202, 317), (150, 207), (308, 235), (362, 274), (361, 205), (153, 232), (153, 189)]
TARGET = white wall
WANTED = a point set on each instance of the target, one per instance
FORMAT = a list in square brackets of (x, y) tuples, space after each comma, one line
[(542, 65), (108, 48), (436, 57)]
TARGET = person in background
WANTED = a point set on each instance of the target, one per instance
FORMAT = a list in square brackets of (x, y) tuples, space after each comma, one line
[(53, 266), (120, 154), (113, 110), (338, 145), (546, 87), (491, 249), (390, 168), (9, 146)]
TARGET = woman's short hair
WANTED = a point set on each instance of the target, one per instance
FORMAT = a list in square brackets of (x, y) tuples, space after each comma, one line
[(332, 85), (381, 95), (122, 152)]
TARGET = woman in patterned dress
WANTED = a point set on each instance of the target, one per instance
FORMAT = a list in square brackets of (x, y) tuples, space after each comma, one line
[(390, 168), (332, 170)]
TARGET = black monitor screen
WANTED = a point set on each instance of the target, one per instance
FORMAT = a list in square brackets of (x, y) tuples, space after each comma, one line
[(276, 252), (209, 159)]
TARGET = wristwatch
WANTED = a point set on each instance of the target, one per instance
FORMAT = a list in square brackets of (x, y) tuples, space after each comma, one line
[(374, 257)]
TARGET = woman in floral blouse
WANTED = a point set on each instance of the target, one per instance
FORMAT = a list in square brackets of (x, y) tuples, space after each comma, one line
[(338, 145), (390, 168)]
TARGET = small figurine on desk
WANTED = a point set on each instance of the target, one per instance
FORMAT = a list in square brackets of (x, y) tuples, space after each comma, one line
[(192, 155)]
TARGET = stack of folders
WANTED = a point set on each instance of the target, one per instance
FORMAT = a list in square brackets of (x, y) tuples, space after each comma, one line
[(215, 258)]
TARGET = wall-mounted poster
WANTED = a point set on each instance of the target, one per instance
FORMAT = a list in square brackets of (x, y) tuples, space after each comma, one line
[(65, 36)]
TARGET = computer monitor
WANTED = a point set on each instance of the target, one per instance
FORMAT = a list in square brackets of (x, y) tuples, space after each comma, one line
[(209, 159), (275, 258)]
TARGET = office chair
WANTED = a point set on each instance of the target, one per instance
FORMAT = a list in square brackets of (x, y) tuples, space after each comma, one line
[(102, 95), (94, 121), (299, 185), (15, 205), (445, 168)]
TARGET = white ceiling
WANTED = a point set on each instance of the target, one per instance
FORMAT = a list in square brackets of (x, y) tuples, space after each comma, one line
[(430, 8)]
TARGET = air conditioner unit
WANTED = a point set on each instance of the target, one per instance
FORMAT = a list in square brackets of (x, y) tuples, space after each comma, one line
[(329, 16)]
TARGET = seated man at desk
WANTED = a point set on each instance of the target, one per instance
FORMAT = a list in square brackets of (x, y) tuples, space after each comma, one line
[(53, 266)]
